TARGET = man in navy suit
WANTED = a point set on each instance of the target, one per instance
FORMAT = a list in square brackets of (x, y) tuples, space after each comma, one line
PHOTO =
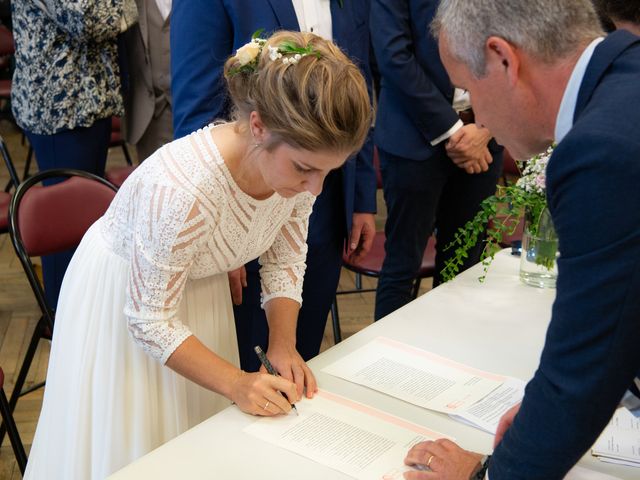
[(437, 164), (204, 33), (540, 71)]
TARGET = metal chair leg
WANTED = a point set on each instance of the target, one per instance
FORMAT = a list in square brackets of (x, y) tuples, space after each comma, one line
[(12, 430), (127, 156), (22, 375), (335, 318), (416, 288)]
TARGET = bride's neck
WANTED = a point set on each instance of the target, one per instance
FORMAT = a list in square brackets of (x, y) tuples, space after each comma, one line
[(241, 156)]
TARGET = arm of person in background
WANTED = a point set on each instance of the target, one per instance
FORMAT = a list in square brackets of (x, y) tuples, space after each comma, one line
[(282, 274), (392, 39), (87, 19), (201, 42), (363, 226)]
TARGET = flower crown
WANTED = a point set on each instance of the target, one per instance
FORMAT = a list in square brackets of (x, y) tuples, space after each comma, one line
[(247, 56)]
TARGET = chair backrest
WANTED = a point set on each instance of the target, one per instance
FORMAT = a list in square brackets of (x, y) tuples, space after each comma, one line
[(51, 219), (46, 220)]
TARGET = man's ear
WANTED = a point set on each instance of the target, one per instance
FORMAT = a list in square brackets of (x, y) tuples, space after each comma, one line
[(502, 56)]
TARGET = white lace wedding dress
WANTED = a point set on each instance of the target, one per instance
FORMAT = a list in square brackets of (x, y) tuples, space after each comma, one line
[(148, 274)]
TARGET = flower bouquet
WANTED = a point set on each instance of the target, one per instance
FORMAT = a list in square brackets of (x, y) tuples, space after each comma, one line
[(499, 216)]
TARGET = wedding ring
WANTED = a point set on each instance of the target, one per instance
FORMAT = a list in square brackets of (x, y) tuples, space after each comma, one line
[(266, 405), (429, 461)]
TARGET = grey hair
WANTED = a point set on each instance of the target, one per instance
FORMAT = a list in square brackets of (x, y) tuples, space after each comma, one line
[(546, 29)]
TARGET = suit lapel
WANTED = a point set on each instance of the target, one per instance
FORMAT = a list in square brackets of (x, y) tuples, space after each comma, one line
[(286, 14), (142, 23), (603, 56)]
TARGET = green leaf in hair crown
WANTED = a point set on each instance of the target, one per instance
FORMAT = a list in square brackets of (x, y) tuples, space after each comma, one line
[(248, 55)]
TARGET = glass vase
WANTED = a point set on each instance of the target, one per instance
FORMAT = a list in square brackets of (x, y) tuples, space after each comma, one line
[(538, 266)]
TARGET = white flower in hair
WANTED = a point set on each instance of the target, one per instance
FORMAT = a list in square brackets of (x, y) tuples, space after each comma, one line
[(248, 53), (274, 54)]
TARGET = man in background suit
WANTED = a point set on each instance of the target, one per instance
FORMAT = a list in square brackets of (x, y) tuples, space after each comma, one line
[(539, 71), (204, 34), (147, 94), (437, 164)]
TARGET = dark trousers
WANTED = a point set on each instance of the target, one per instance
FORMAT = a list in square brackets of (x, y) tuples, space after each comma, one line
[(82, 149), (423, 196), (324, 260)]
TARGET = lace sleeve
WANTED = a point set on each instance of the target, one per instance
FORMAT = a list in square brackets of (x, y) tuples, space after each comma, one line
[(283, 265), (168, 231)]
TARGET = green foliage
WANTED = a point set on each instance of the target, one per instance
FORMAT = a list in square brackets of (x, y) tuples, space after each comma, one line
[(499, 216)]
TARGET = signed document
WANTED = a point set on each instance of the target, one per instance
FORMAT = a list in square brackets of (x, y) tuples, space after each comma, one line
[(347, 436), (415, 375)]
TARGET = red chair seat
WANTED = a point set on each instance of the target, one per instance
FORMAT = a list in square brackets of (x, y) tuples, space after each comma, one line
[(5, 88), (7, 46), (371, 265), (118, 175)]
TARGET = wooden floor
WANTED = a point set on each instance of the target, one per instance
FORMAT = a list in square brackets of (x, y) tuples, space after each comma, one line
[(19, 312)]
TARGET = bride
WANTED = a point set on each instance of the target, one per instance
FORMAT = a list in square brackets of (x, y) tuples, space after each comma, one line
[(144, 345)]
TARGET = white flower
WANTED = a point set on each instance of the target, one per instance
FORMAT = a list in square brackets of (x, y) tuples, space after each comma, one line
[(274, 54), (247, 53)]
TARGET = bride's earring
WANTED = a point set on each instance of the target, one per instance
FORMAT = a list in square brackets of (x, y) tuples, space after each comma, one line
[(256, 143)]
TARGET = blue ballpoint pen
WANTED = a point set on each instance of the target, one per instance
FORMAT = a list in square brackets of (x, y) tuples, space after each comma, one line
[(267, 365)]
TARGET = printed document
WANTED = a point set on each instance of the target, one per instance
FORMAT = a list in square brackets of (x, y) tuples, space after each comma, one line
[(620, 440), (485, 414), (416, 376), (347, 436)]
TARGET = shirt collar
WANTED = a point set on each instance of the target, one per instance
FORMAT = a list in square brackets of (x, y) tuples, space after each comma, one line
[(564, 121)]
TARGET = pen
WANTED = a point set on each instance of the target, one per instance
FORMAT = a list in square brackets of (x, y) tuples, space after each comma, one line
[(267, 365)]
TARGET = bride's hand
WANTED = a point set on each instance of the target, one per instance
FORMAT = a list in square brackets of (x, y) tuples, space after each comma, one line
[(237, 281), (289, 364), (262, 394)]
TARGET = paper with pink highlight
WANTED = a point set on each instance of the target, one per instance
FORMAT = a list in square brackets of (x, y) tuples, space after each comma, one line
[(415, 376), (347, 436)]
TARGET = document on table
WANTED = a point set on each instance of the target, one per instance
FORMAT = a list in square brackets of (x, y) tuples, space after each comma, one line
[(347, 436), (416, 376), (620, 440), (485, 414)]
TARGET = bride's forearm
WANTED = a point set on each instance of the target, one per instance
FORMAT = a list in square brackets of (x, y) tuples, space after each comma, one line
[(193, 360)]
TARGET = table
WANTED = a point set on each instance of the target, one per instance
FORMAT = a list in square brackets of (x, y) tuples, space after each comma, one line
[(498, 326)]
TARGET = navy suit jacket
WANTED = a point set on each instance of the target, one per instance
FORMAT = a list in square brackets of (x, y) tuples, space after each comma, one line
[(592, 349), (204, 33), (415, 91)]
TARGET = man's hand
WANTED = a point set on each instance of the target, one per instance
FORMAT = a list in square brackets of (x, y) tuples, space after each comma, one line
[(442, 460), (290, 365), (363, 230), (505, 422), (467, 148), (237, 281)]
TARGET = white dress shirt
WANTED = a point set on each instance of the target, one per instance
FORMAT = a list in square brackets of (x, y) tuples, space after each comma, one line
[(165, 8), (314, 16), (564, 121)]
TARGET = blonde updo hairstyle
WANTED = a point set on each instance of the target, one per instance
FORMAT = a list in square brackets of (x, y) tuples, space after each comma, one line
[(320, 103)]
